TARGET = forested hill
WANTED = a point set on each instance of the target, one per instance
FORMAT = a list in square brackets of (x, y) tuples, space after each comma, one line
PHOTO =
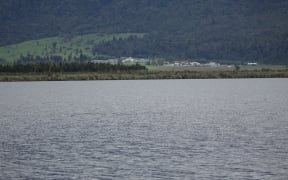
[(237, 30)]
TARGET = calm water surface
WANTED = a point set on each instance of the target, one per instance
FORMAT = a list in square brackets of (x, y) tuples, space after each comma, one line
[(167, 129)]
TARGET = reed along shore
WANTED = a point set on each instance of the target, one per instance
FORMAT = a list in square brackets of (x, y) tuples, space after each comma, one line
[(139, 75)]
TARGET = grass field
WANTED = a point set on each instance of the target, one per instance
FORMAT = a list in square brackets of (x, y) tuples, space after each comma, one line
[(59, 46)]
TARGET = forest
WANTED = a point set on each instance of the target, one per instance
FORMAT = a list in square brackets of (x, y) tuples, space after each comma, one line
[(50, 67), (233, 31)]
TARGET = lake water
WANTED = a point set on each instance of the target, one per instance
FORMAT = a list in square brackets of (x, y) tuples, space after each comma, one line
[(157, 129)]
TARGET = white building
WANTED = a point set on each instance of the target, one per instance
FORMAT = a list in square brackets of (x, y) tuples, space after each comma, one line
[(252, 64)]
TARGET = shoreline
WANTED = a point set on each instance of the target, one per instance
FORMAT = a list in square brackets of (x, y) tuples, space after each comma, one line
[(138, 75)]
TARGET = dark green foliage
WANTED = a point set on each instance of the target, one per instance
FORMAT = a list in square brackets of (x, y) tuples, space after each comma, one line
[(60, 76), (246, 30), (173, 46), (50, 67), (52, 58), (237, 67)]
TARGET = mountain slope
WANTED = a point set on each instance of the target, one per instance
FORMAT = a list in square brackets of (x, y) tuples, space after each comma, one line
[(246, 30)]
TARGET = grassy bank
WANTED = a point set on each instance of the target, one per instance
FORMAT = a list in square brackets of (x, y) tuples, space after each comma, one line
[(142, 75)]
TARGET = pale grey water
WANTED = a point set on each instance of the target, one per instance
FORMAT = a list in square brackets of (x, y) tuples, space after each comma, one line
[(157, 129)]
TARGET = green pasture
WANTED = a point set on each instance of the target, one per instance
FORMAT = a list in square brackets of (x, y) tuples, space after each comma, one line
[(59, 46)]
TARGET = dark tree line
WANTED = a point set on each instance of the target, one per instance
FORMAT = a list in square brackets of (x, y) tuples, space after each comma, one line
[(50, 67), (54, 58), (173, 46)]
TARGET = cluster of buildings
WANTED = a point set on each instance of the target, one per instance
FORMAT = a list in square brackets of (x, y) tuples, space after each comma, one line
[(126, 60), (132, 60), (191, 63)]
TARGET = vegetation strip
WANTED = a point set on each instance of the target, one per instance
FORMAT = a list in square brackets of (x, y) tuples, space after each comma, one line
[(138, 75)]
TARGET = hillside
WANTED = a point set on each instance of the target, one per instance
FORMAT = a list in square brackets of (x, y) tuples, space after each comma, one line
[(58, 49), (237, 31)]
